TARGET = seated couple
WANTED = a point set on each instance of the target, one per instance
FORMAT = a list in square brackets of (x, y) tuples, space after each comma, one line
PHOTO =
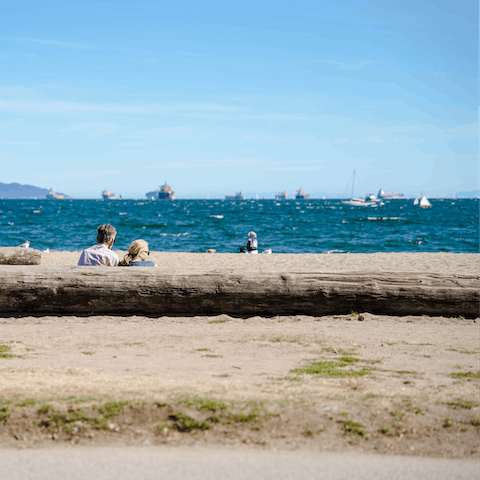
[(101, 254)]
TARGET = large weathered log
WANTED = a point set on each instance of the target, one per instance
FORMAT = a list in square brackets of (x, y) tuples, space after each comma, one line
[(45, 289), (19, 256)]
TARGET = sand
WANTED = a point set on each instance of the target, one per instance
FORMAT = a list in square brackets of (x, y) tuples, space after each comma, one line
[(446, 263), (411, 382)]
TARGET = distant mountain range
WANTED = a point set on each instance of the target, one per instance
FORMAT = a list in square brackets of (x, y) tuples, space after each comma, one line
[(15, 190)]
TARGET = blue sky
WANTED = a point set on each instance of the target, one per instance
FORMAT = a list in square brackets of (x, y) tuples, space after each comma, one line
[(260, 96)]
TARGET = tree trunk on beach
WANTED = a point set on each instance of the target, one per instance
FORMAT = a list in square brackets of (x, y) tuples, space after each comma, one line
[(101, 290), (19, 256)]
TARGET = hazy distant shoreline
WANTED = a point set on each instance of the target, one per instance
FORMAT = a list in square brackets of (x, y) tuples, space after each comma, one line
[(16, 191)]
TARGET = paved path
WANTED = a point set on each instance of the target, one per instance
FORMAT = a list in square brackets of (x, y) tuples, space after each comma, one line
[(122, 463)]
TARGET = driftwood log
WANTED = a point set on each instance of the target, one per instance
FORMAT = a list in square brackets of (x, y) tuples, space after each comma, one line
[(101, 290), (19, 256)]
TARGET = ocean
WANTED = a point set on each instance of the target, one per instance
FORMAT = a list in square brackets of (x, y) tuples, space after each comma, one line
[(291, 226)]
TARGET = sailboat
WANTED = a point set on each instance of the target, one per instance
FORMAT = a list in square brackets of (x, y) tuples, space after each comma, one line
[(416, 201), (357, 202), (424, 203)]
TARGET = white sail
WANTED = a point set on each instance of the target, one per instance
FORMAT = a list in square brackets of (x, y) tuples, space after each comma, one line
[(424, 203), (416, 201)]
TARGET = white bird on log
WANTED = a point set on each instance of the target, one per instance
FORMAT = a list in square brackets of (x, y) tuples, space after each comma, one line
[(25, 245)]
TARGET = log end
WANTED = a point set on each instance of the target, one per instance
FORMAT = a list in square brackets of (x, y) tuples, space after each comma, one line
[(20, 256)]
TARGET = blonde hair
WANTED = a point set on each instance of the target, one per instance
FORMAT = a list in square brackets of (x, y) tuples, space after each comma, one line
[(137, 247)]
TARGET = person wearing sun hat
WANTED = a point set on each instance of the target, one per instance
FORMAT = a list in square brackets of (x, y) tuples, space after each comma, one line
[(252, 243)]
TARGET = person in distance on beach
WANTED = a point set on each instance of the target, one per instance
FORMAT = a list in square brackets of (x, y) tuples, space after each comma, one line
[(137, 255), (252, 244), (101, 254)]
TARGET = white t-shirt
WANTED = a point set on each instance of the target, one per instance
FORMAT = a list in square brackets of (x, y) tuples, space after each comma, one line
[(99, 255)]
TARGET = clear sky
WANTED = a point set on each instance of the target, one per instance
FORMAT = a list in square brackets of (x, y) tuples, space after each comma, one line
[(259, 96)]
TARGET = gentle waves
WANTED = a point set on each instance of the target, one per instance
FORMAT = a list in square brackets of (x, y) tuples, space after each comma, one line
[(292, 226)]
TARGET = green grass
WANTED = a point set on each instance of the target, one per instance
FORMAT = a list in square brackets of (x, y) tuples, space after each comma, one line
[(384, 430), (65, 420), (88, 353), (354, 428), (4, 349), (28, 402), (4, 413), (243, 418), (466, 374), (289, 379), (219, 320), (397, 414), (45, 408), (185, 423), (475, 422), (349, 359), (286, 338), (447, 423), (462, 403), (208, 355), (415, 410), (329, 369), (203, 350), (209, 404)]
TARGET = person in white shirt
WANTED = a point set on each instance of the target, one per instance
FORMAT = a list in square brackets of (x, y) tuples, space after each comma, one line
[(101, 254)]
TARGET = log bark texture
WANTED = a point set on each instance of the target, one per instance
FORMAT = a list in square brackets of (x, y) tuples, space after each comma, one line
[(19, 256), (101, 290)]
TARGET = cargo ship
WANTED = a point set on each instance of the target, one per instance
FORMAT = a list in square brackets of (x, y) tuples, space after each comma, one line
[(165, 192), (108, 195), (281, 196), (53, 195), (390, 195), (237, 196), (302, 195)]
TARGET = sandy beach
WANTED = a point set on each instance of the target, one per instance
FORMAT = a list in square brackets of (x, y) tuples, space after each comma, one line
[(374, 383), (445, 263)]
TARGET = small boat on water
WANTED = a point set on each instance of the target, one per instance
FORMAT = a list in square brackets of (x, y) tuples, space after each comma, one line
[(281, 196), (237, 196), (108, 195), (360, 202), (424, 203), (416, 201), (302, 195)]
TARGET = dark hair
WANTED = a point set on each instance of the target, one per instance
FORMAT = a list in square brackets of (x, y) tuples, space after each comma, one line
[(106, 233)]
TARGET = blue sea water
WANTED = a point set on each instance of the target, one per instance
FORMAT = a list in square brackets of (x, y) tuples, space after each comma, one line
[(291, 226)]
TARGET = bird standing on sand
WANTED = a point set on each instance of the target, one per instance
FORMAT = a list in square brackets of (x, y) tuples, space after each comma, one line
[(25, 245)]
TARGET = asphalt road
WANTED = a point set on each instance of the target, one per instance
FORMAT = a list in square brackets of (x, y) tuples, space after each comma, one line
[(190, 463)]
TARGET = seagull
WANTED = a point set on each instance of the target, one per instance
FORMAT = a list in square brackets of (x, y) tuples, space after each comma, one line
[(25, 245)]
